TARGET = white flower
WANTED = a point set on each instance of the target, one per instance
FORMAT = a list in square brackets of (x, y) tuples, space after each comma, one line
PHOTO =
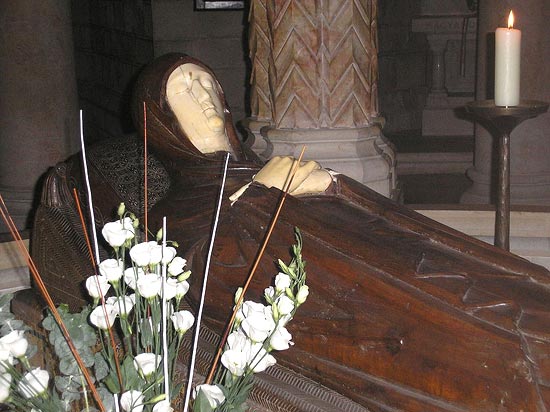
[(282, 281), (170, 288), (247, 308), (182, 321), (6, 358), (112, 269), (235, 361), (148, 285), (213, 394), (302, 294), (116, 233), (163, 406), (175, 267), (146, 253), (269, 294), (97, 317), (259, 359), (5, 382), (182, 288), (147, 363), (34, 383), (281, 339), (259, 324), (131, 275), (122, 304), (285, 305), (16, 343), (95, 284), (169, 254), (131, 401)]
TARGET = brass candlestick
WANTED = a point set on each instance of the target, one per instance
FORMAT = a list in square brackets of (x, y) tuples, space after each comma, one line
[(502, 120)]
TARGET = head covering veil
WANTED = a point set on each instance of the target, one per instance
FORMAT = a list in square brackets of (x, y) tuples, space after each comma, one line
[(167, 138)]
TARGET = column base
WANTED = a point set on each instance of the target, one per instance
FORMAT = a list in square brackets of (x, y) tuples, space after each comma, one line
[(524, 189), (360, 153)]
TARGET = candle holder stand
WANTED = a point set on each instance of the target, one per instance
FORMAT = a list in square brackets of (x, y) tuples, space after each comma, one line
[(502, 121)]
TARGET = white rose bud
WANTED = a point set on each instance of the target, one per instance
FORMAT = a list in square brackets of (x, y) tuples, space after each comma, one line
[(213, 394), (34, 383), (131, 275), (175, 267), (282, 281), (181, 289), (285, 305), (112, 269), (97, 316), (146, 363), (281, 339), (131, 401), (97, 286), (163, 406), (302, 294), (122, 304), (182, 321), (121, 209), (16, 343), (149, 285)]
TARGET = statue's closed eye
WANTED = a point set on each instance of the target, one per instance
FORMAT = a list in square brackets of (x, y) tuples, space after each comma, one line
[(207, 83)]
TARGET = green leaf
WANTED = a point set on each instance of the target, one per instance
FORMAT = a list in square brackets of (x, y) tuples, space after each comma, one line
[(101, 368), (201, 403)]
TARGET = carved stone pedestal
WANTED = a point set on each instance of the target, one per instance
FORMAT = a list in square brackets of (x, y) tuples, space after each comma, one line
[(452, 44), (360, 153)]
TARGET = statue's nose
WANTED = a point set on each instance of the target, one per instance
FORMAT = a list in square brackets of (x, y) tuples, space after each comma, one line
[(201, 94)]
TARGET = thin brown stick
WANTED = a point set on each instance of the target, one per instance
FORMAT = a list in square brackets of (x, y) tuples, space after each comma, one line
[(145, 206), (102, 298), (254, 267), (86, 236), (45, 294)]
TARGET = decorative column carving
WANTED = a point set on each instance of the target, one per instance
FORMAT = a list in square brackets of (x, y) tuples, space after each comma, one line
[(314, 82)]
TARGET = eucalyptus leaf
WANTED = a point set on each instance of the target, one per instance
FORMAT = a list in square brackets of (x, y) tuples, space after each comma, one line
[(101, 368), (68, 366)]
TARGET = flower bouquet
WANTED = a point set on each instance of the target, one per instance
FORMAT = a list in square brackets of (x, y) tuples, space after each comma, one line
[(120, 352)]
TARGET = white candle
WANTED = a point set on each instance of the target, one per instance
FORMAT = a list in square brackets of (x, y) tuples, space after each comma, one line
[(507, 62)]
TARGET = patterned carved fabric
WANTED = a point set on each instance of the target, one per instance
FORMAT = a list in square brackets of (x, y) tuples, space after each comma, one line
[(314, 62), (120, 161)]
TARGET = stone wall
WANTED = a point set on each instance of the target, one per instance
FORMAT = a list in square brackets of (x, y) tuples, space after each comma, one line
[(113, 40), (403, 62), (217, 38)]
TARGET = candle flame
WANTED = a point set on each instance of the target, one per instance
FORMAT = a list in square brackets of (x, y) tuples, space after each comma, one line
[(511, 20)]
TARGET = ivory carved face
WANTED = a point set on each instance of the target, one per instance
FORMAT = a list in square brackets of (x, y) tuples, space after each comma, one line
[(194, 97)]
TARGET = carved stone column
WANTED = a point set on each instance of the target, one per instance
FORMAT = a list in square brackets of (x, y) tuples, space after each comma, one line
[(530, 148), (38, 101), (314, 83)]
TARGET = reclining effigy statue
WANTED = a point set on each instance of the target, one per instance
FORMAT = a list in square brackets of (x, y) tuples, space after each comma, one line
[(403, 313)]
